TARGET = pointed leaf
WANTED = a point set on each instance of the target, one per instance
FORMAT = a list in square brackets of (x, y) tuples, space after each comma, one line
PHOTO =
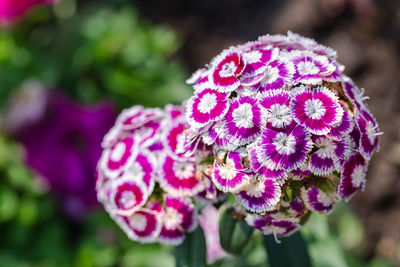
[(192, 252), (292, 251), (234, 234)]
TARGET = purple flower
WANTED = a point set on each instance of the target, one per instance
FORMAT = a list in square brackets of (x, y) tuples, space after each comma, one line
[(285, 149), (276, 224), (369, 133), (316, 109), (278, 73), (344, 126), (310, 67), (317, 200), (277, 111), (259, 195), (353, 176), (206, 107), (257, 61), (63, 146), (328, 156), (243, 121)]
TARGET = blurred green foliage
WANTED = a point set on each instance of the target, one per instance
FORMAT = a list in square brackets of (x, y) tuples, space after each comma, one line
[(98, 52), (36, 233)]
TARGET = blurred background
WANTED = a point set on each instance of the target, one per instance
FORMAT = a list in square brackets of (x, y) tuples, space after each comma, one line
[(68, 68)]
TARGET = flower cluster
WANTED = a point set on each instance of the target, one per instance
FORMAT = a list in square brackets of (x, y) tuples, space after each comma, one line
[(290, 133), (144, 183)]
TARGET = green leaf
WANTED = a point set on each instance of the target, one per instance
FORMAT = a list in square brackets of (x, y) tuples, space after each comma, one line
[(234, 234), (292, 251), (192, 252)]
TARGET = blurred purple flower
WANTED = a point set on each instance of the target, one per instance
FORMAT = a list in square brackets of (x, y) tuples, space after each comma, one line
[(11, 10), (63, 146)]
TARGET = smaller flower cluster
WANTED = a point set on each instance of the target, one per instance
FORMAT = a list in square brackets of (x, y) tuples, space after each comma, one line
[(143, 183), (290, 132)]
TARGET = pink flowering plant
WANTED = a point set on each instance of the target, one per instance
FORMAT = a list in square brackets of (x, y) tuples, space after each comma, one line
[(274, 131)]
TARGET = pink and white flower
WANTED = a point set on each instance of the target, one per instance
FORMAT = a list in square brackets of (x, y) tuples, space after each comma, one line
[(304, 43), (243, 120), (174, 134), (178, 177), (226, 68), (278, 175), (276, 109), (278, 225), (142, 169), (230, 176), (316, 109), (353, 176), (116, 159), (257, 61), (310, 67), (128, 196), (328, 155), (206, 107), (285, 149), (369, 133), (344, 126), (143, 226), (259, 195), (317, 200), (200, 80), (180, 216), (137, 116)]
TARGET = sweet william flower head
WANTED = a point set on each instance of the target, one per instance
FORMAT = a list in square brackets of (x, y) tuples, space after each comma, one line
[(289, 131), (144, 182)]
